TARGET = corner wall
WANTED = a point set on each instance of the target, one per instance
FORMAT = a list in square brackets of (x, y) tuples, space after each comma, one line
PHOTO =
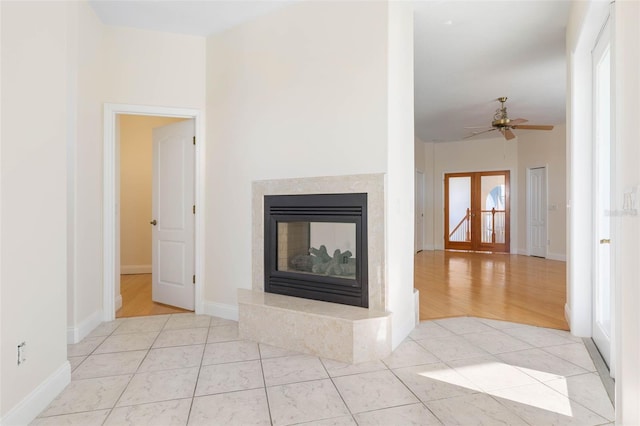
[(33, 205), (123, 66), (545, 149), (301, 92)]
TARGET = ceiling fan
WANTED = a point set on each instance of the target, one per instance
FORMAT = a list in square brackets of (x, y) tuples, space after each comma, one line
[(502, 123)]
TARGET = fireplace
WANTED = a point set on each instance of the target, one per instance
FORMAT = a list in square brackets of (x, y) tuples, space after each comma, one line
[(315, 247)]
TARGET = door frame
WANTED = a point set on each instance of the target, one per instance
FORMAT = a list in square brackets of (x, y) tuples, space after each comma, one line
[(475, 183), (419, 209), (111, 185), (546, 209)]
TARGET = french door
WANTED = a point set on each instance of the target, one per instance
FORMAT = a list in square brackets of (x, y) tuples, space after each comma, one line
[(476, 213)]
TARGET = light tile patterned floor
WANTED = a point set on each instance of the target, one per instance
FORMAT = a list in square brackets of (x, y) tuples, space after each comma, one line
[(192, 369)]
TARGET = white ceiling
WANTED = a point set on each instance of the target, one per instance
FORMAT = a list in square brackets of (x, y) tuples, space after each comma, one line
[(467, 53)]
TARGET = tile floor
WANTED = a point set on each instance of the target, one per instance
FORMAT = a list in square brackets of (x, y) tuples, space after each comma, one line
[(190, 369)]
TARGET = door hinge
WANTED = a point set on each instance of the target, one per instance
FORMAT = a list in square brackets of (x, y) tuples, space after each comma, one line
[(194, 209), (194, 140), (194, 279)]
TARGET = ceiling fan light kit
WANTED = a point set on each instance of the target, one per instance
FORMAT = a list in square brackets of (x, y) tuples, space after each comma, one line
[(504, 125)]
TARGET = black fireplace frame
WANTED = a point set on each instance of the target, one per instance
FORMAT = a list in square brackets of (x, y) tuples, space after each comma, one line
[(340, 208)]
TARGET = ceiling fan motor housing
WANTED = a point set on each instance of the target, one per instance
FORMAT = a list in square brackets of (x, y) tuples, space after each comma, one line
[(501, 123)]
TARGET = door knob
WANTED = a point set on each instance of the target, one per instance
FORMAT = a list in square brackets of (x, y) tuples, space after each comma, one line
[(154, 222), (605, 241)]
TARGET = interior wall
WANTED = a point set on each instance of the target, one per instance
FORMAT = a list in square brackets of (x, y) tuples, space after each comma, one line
[(545, 149), (33, 205), (626, 235), (301, 92), (585, 22), (122, 66), (84, 183), (400, 184), (136, 174), (469, 156)]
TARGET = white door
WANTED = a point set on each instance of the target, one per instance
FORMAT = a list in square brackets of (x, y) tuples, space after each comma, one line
[(602, 291), (537, 216), (173, 215), (419, 215)]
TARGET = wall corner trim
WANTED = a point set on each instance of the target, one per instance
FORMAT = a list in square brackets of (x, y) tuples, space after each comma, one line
[(557, 256), (221, 310), (29, 408), (79, 332), (567, 314)]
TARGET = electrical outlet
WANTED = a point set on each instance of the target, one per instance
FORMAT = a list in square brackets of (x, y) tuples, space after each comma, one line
[(22, 353)]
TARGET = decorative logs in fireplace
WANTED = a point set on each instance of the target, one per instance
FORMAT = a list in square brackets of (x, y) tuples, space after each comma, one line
[(315, 247)]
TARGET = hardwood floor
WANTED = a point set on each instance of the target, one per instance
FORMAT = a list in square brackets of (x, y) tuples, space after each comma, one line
[(136, 298), (522, 289)]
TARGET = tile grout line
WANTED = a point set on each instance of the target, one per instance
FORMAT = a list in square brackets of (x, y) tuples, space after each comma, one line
[(424, 404), (195, 386), (326, 370), (264, 383)]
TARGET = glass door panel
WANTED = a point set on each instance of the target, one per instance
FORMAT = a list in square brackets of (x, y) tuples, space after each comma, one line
[(493, 209), (459, 216)]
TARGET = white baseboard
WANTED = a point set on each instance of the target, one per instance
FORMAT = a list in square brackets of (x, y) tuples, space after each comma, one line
[(416, 302), (33, 404), (221, 310), (567, 314), (118, 302), (135, 269), (79, 332), (557, 256), (522, 252)]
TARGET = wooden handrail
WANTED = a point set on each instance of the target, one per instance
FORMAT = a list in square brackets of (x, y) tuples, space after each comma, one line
[(465, 218)]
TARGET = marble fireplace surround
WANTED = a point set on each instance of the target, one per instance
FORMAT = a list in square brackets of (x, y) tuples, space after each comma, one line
[(345, 333)]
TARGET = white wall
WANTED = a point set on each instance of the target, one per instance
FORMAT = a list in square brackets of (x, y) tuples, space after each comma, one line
[(626, 236), (400, 194), (84, 284), (126, 66), (545, 149), (301, 92), (33, 212), (298, 93), (586, 20)]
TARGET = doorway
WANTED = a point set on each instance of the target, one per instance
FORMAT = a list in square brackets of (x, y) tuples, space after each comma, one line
[(477, 210), (141, 287), (111, 200)]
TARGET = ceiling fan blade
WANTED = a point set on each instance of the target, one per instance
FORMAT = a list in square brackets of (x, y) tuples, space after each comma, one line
[(478, 133), (508, 134), (517, 121), (533, 127), (476, 127)]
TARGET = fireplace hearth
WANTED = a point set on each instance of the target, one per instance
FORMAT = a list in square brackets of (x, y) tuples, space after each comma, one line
[(315, 247)]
